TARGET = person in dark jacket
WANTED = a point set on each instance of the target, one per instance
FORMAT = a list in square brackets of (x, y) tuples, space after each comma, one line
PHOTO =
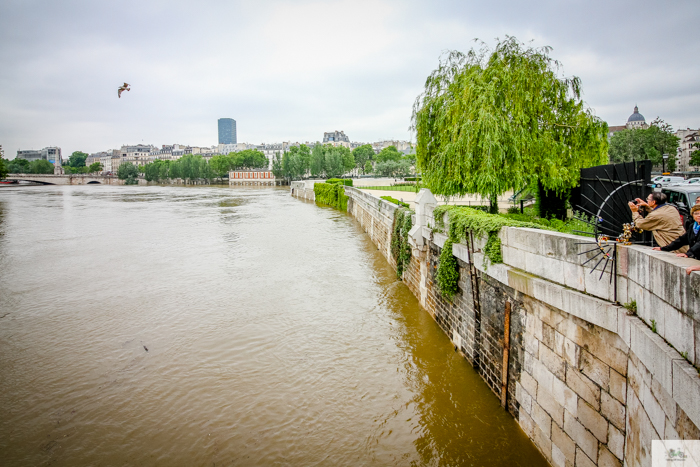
[(691, 238)]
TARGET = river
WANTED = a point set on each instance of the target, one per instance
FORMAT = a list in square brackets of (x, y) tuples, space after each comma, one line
[(222, 326)]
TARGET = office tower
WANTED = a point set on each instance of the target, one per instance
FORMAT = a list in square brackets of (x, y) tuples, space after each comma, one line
[(227, 131)]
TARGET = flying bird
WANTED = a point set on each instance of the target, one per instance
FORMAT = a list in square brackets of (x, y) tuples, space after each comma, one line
[(122, 89)]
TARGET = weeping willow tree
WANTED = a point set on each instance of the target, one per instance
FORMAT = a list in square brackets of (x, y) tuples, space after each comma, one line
[(498, 119)]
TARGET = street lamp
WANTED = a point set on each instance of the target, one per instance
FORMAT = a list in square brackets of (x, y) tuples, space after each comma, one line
[(664, 166)]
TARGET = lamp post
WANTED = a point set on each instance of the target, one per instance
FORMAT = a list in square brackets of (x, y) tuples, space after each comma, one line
[(665, 156)]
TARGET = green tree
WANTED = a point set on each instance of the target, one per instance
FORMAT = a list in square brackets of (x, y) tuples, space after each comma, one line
[(318, 160), (389, 153), (251, 159), (368, 169), (695, 156), (95, 167), (3, 169), (392, 168), (334, 166), (220, 165), (627, 146), (298, 162), (40, 166), (77, 159), (287, 165), (660, 141), (128, 172), (650, 143), (495, 120), (362, 155), (348, 158), (18, 166), (277, 166)]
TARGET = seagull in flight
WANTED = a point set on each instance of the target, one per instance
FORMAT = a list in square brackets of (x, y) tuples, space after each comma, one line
[(123, 88)]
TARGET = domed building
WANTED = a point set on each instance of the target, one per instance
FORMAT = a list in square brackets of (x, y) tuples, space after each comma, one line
[(636, 121)]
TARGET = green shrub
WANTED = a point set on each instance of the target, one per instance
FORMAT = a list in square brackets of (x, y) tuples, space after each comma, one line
[(332, 194), (341, 181), (447, 275), (412, 179), (395, 201), (400, 248)]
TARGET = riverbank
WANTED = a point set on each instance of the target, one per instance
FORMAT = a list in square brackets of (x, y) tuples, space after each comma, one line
[(590, 382)]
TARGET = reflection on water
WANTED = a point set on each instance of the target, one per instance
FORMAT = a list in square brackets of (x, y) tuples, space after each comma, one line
[(275, 334)]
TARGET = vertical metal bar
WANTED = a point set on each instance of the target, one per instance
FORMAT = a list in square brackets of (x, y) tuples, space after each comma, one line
[(614, 271), (506, 354), (477, 305)]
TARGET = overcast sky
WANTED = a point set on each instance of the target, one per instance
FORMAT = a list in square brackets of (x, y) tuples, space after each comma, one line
[(290, 70)]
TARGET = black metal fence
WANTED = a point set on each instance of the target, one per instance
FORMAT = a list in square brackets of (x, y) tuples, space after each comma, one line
[(605, 190)]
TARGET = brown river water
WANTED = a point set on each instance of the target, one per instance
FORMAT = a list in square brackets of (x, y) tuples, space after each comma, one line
[(276, 333)]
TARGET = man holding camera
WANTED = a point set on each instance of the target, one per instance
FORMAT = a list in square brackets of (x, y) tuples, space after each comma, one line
[(662, 219)]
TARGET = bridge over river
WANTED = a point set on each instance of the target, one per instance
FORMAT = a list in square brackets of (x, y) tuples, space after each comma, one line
[(72, 179)]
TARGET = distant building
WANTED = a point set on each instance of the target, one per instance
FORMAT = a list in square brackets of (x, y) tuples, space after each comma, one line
[(686, 148), (227, 131), (335, 137), (401, 146), (251, 177), (635, 121), (51, 154), (139, 154)]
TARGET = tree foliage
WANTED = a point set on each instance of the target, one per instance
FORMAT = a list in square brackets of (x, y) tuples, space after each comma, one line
[(362, 155), (389, 153), (391, 168), (40, 166), (17, 166), (95, 167), (695, 156), (128, 172), (277, 166), (3, 169), (493, 120), (77, 159), (296, 162), (650, 143)]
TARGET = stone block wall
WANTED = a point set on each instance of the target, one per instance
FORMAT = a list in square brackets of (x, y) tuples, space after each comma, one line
[(304, 189), (588, 382)]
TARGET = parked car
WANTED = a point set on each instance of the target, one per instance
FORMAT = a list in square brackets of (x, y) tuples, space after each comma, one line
[(683, 198), (665, 181), (690, 181)]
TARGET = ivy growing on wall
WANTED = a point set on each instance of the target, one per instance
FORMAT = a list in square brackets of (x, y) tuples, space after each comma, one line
[(395, 201), (400, 248), (463, 220), (332, 195), (447, 276)]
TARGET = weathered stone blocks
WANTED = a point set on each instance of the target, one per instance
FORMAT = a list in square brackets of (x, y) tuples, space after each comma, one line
[(582, 437)]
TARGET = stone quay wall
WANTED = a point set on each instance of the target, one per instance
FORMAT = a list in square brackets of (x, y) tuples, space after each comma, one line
[(304, 189), (590, 383)]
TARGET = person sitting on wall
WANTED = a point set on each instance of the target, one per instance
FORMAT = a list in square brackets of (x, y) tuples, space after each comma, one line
[(691, 269), (662, 219), (691, 238)]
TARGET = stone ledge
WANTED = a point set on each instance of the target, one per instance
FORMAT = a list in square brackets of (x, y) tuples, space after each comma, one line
[(655, 354), (585, 307), (686, 389)]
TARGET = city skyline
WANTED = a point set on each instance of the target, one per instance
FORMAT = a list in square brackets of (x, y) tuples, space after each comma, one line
[(64, 64)]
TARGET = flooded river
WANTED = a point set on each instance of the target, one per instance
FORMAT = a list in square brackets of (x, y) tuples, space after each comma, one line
[(222, 326)]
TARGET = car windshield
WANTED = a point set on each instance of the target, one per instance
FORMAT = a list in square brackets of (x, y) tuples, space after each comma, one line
[(693, 196)]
